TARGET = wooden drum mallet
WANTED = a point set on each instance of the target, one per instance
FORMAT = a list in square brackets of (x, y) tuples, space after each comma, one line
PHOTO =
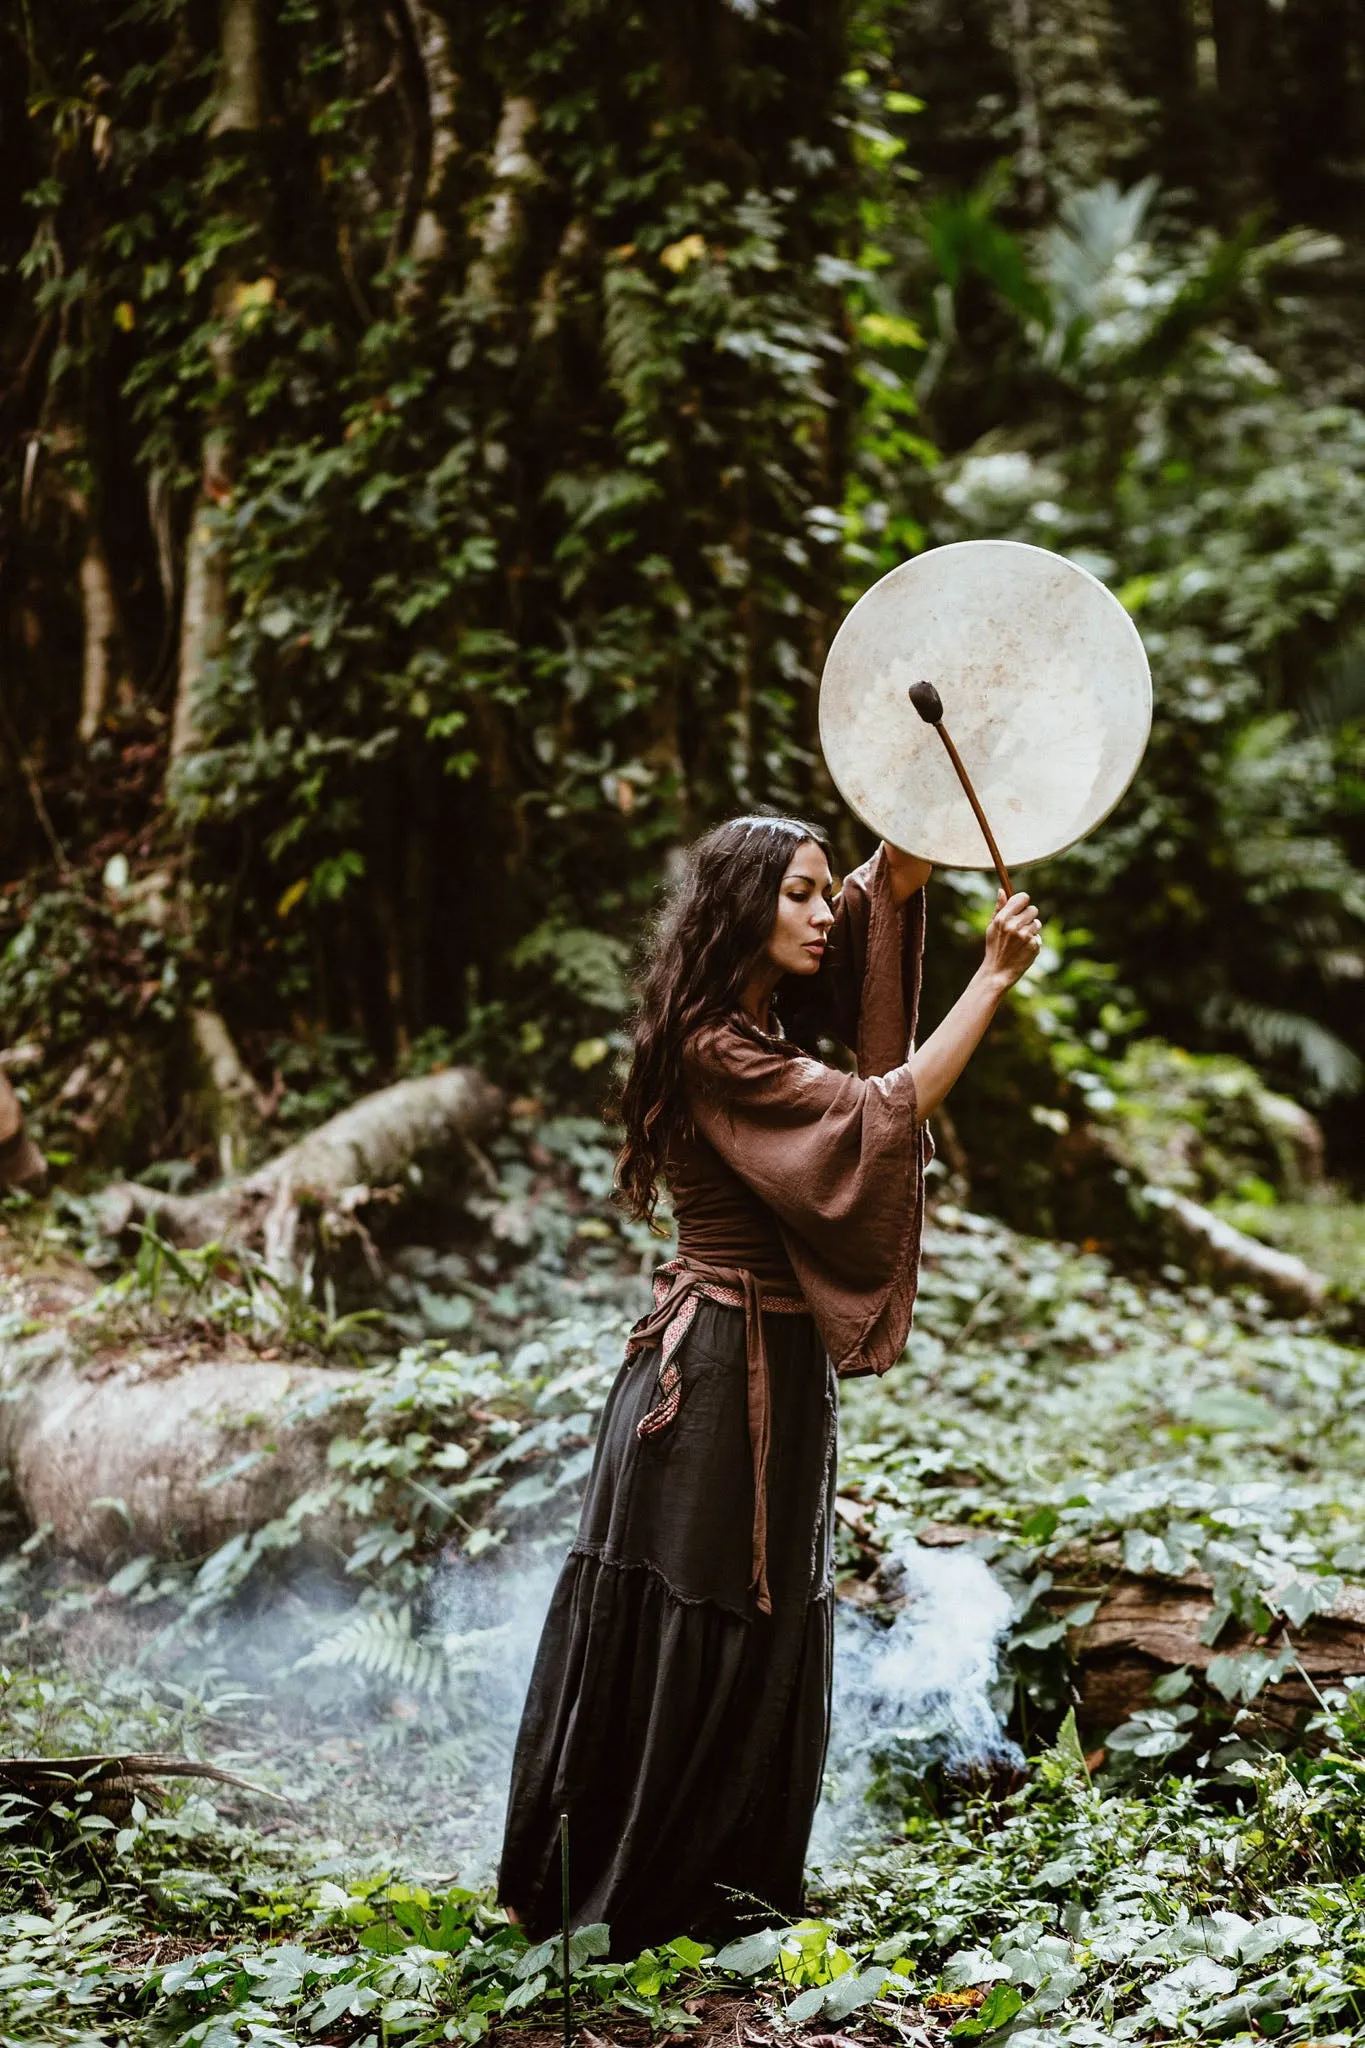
[(929, 705)]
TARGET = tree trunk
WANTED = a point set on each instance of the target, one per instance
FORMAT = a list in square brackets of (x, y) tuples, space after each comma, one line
[(204, 620), (513, 168), (57, 478), (429, 240), (100, 615), (241, 96), (235, 1109)]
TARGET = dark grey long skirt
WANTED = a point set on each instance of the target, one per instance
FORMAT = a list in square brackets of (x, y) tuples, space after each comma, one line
[(681, 1730)]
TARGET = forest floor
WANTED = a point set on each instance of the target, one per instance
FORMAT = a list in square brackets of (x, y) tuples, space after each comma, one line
[(992, 1859)]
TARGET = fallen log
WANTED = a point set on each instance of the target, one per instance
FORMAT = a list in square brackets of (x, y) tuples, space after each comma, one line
[(165, 1448), (153, 1455), (360, 1156), (1146, 1626), (1217, 1251)]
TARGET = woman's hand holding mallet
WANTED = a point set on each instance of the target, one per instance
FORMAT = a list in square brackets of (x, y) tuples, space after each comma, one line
[(1014, 937)]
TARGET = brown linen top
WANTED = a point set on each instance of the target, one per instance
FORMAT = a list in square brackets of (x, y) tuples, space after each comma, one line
[(797, 1174)]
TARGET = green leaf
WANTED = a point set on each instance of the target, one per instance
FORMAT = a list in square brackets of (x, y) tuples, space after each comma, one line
[(587, 1942), (1229, 1408), (526, 1993), (751, 1953), (1066, 1758), (688, 1952), (1003, 2001), (1040, 1526)]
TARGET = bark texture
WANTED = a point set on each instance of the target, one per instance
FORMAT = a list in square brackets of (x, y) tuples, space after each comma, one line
[(1147, 1626), (114, 1457), (118, 1452), (100, 612), (204, 617), (234, 1102), (431, 40), (113, 1782)]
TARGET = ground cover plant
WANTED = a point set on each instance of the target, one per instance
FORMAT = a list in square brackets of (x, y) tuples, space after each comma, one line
[(1193, 1870)]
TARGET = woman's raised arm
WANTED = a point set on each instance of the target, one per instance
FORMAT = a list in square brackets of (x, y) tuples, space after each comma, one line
[(1012, 943), (907, 873)]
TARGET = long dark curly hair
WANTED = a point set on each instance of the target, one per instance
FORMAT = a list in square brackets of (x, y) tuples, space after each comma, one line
[(701, 954)]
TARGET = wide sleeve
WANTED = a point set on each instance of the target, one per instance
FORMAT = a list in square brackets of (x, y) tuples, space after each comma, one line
[(869, 981), (839, 1159)]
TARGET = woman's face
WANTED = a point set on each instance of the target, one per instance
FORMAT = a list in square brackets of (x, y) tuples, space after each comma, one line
[(796, 943)]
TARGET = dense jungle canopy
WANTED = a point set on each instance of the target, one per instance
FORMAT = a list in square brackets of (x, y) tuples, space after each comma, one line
[(438, 443)]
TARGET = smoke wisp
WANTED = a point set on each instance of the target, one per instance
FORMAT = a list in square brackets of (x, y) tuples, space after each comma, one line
[(917, 1693), (429, 1783)]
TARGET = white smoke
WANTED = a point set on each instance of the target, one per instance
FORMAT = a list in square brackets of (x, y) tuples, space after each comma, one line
[(919, 1691), (916, 1693), (491, 1619)]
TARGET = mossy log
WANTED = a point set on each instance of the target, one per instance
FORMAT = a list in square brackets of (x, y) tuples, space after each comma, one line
[(1148, 1625), (120, 1457), (1213, 1248)]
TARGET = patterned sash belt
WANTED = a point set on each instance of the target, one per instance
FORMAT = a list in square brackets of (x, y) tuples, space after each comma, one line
[(678, 1286)]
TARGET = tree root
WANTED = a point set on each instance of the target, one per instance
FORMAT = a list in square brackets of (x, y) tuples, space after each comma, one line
[(113, 1782)]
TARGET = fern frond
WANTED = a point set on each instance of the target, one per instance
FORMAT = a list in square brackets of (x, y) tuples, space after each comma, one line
[(379, 1642), (634, 345), (1331, 1065)]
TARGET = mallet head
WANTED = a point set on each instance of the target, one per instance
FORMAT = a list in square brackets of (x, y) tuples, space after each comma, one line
[(927, 702)]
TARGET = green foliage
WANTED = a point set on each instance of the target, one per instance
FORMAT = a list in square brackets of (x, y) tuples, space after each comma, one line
[(536, 491), (1206, 1125), (521, 488), (1175, 451), (1330, 1236), (1059, 1416), (219, 1288)]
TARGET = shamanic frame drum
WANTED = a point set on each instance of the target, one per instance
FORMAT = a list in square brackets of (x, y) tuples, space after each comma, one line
[(1045, 689)]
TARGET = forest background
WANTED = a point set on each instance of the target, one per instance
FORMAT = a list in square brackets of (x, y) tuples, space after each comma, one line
[(439, 447), (437, 444)]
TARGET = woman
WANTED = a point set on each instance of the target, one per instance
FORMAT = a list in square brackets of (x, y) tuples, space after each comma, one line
[(679, 1707)]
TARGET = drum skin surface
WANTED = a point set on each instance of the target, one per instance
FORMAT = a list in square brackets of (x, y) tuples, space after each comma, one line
[(1045, 688)]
